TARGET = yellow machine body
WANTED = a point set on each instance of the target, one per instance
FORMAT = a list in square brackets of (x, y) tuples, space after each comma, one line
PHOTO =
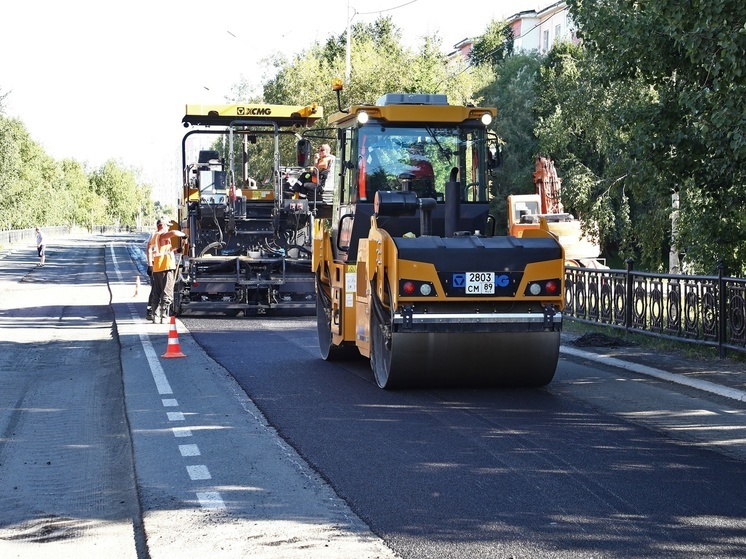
[(407, 272)]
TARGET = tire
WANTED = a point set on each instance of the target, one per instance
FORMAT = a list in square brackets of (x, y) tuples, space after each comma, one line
[(177, 308), (327, 349), (381, 339), (380, 354)]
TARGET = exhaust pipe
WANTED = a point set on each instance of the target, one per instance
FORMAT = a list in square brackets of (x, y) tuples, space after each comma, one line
[(453, 204)]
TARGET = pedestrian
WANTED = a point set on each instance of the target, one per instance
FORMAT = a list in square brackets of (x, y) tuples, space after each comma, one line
[(164, 270), (40, 247)]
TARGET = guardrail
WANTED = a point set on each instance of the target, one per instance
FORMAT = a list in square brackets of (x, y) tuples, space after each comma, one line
[(10, 237), (705, 310)]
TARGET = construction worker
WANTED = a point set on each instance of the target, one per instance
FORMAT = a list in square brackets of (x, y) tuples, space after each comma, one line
[(322, 161), (164, 268), (324, 157), (149, 255)]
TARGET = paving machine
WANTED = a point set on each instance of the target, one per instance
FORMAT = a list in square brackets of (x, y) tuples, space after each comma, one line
[(248, 246), (408, 273)]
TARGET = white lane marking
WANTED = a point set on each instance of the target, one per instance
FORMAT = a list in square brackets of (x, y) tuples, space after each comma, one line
[(161, 382), (197, 473), (189, 450), (211, 500)]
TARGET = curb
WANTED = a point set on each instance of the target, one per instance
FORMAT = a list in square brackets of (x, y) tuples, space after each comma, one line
[(725, 392)]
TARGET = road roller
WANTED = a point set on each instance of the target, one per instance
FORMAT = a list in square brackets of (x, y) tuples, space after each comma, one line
[(408, 271)]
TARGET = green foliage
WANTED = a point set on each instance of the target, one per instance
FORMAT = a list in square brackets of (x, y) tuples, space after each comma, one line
[(379, 64), (78, 200), (121, 192), (653, 102), (513, 92), (28, 177), (690, 131), (37, 190), (494, 47), (12, 133), (580, 127)]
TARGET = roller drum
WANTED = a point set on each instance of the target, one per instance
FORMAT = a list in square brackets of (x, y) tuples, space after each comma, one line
[(465, 359)]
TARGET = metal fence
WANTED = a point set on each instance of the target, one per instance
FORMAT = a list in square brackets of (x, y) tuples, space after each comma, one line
[(11, 237), (706, 310)]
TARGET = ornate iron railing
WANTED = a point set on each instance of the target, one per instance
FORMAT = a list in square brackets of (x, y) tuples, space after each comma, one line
[(707, 310)]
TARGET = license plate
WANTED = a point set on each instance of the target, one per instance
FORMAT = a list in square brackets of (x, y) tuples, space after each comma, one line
[(480, 283)]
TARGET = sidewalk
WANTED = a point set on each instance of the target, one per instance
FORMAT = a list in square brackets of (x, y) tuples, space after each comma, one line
[(722, 377)]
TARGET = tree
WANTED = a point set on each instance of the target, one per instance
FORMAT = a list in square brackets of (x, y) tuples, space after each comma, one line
[(494, 47), (11, 133), (689, 135), (27, 178), (118, 187), (37, 190), (513, 91), (83, 205), (379, 64), (578, 126)]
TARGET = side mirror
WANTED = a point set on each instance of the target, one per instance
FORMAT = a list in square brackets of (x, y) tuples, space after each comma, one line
[(303, 152)]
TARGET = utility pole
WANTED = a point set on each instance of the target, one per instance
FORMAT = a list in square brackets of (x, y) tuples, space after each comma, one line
[(674, 265), (349, 48)]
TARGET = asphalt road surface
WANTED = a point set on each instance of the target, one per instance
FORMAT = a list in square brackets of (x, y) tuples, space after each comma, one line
[(109, 449), (67, 479), (252, 446), (591, 466)]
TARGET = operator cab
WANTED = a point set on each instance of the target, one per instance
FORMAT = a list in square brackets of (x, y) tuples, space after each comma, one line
[(413, 143)]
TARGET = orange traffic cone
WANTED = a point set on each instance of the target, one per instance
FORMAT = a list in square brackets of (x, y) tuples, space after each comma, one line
[(173, 349)]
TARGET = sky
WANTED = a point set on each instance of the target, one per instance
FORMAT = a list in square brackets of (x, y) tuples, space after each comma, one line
[(98, 80)]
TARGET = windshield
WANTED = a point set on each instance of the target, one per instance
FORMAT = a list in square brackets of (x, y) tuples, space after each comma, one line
[(421, 159)]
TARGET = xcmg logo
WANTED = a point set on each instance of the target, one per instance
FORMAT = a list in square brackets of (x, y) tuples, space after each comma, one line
[(254, 111)]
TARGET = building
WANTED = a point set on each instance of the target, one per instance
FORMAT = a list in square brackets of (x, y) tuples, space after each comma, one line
[(538, 30), (533, 30)]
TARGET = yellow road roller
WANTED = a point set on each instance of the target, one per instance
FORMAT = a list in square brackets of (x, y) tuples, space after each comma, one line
[(408, 272)]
